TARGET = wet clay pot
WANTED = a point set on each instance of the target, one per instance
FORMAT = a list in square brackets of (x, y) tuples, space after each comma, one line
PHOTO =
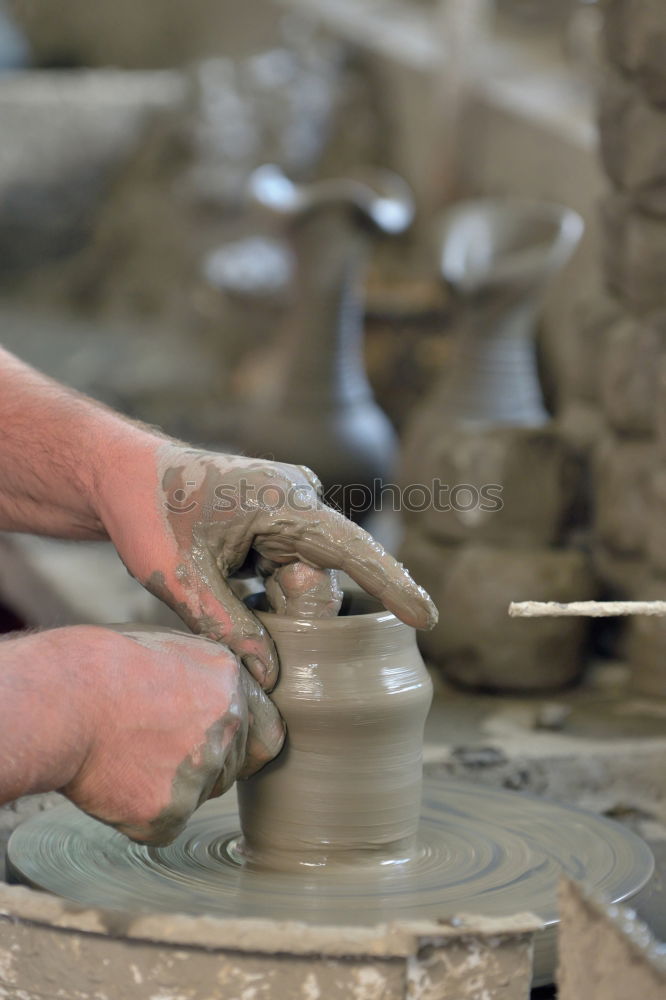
[(346, 788), (317, 407), (485, 427), (498, 256), (486, 421)]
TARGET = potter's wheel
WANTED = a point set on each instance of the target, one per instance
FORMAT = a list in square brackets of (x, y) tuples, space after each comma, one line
[(480, 850)]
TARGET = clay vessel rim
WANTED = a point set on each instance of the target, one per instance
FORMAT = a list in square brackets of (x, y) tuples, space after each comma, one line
[(497, 222), (280, 623), (382, 197)]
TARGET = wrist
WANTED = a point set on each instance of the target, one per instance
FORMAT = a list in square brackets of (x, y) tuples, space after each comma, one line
[(47, 689), (70, 658), (122, 462)]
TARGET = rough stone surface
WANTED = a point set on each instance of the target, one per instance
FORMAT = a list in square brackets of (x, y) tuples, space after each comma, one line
[(630, 485), (629, 374), (633, 142), (633, 253), (521, 510), (623, 476), (92, 955), (591, 318), (623, 577), (660, 410), (581, 424), (656, 530), (605, 952), (647, 646), (66, 136), (635, 40), (38, 962), (476, 643)]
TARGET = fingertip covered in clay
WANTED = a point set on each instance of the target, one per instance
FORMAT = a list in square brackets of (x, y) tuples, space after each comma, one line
[(413, 604)]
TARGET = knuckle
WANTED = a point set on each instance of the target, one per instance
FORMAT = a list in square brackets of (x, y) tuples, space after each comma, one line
[(224, 658), (271, 734), (253, 763), (244, 632), (275, 740), (224, 782), (312, 477)]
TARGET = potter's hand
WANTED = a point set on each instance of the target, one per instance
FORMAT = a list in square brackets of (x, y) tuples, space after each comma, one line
[(137, 727), (184, 520), (174, 721)]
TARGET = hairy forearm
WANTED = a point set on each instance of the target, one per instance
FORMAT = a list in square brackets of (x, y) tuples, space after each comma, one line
[(45, 727), (54, 447)]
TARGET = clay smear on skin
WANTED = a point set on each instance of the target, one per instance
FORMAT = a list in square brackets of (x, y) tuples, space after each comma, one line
[(219, 542), (212, 766), (197, 777)]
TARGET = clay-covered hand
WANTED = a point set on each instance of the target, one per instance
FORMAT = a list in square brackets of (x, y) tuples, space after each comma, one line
[(184, 520), (172, 721)]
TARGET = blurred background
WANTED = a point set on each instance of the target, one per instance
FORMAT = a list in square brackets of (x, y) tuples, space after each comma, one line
[(398, 241), (406, 242), (128, 136)]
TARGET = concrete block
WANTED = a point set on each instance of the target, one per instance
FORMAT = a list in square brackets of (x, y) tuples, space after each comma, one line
[(623, 577), (591, 318), (605, 952), (50, 948), (660, 410), (648, 656), (581, 425), (633, 142), (656, 530), (646, 645), (622, 484), (635, 40), (629, 372), (633, 253), (478, 488), (477, 645)]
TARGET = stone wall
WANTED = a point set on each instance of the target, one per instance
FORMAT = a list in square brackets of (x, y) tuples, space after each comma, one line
[(606, 352), (622, 335), (88, 954), (605, 953)]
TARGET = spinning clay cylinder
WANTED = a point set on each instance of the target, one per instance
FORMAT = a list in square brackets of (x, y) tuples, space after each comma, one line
[(346, 788)]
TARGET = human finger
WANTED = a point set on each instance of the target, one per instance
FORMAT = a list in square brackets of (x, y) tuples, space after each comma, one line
[(327, 539)]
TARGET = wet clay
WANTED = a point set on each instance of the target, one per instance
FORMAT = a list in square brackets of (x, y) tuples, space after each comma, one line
[(346, 788), (479, 850), (217, 510), (301, 591), (332, 831)]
